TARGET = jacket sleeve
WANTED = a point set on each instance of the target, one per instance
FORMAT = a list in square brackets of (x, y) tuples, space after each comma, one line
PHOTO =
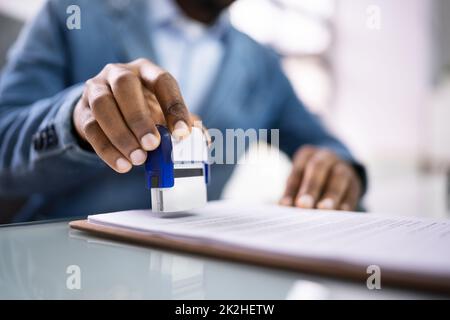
[(38, 150), (299, 127)]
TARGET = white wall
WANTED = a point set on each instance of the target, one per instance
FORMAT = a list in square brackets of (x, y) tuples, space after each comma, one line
[(382, 76), (382, 104), (20, 9)]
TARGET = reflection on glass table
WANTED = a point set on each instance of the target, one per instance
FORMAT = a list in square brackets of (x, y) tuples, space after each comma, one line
[(36, 262)]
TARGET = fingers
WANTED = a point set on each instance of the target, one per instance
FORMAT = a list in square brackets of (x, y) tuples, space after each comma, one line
[(351, 197), (120, 107), (128, 94), (155, 108), (293, 182), (320, 179), (92, 132), (168, 94), (108, 117), (337, 186), (315, 178)]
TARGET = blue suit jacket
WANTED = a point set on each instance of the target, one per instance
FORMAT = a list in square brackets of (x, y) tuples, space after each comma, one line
[(43, 79)]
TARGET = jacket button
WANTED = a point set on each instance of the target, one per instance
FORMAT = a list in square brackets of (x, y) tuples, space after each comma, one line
[(51, 137), (45, 139), (38, 144)]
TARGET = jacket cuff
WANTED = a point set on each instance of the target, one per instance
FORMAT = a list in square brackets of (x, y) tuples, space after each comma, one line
[(65, 131)]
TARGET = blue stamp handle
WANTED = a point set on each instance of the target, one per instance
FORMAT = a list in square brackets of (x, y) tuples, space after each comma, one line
[(159, 165)]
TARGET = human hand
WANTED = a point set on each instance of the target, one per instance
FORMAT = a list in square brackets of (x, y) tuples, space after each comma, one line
[(320, 179), (120, 107)]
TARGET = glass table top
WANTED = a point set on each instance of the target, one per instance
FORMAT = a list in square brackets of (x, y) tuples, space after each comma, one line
[(52, 261)]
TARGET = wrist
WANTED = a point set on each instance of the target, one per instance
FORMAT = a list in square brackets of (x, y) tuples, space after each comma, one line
[(76, 128)]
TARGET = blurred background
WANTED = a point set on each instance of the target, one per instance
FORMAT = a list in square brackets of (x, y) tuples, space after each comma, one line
[(377, 72)]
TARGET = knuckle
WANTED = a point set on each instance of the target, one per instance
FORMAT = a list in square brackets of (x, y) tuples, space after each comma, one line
[(312, 186), (317, 163), (123, 78), (307, 149), (164, 76), (123, 141), (93, 85), (103, 147), (110, 66), (165, 79), (141, 61), (89, 83), (135, 119), (90, 127), (333, 192), (327, 155), (341, 170), (176, 110), (99, 99)]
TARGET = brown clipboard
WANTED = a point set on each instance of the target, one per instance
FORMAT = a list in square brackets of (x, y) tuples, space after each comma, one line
[(310, 265)]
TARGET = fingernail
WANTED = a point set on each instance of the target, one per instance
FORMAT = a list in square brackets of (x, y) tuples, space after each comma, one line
[(326, 204), (286, 201), (345, 207), (138, 157), (180, 130), (150, 142), (305, 201), (123, 165)]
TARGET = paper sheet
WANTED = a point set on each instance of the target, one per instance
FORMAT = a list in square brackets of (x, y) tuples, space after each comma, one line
[(398, 243)]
